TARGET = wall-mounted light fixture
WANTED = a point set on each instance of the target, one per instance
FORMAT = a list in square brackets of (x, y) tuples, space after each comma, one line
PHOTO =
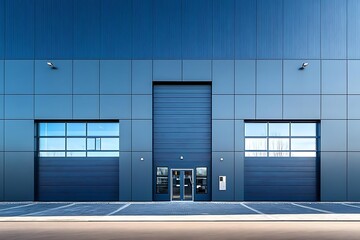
[(51, 65), (221, 159), (304, 65), (142, 159), (181, 157)]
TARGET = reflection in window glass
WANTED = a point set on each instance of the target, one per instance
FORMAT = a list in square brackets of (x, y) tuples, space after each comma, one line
[(255, 144), (303, 144), (303, 129), (279, 154), (279, 144), (76, 144), (70, 139), (91, 144), (255, 154), (76, 154), (162, 180), (103, 129), (303, 154), (201, 180), (76, 129), (279, 129), (52, 143), (255, 129), (102, 154), (52, 129), (201, 171), (52, 154), (109, 144)]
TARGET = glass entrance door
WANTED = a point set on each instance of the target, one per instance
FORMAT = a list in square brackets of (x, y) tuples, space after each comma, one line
[(182, 185)]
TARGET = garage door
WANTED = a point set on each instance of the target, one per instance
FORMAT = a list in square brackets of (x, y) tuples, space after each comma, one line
[(281, 162), (78, 179), (77, 161)]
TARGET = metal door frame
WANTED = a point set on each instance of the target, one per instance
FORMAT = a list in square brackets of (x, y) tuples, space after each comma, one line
[(192, 185)]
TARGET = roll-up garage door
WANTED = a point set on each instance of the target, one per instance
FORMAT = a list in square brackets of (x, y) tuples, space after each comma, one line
[(78, 179), (281, 179)]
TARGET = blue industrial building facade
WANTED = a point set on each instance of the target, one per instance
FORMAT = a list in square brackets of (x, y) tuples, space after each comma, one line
[(112, 55)]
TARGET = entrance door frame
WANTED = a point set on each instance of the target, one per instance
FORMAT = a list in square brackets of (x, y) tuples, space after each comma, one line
[(192, 185)]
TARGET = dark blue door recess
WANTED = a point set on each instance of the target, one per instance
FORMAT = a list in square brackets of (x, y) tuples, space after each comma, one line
[(78, 179), (182, 138)]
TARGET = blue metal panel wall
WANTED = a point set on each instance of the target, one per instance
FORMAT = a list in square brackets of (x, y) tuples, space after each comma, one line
[(245, 29), (223, 29), (87, 29), (270, 29), (279, 179), (19, 29), (333, 29), (142, 29), (2, 29), (116, 29), (167, 29), (302, 29), (54, 29), (197, 34), (353, 21)]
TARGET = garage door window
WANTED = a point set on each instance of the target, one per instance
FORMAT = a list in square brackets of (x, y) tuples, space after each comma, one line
[(280, 139), (78, 139)]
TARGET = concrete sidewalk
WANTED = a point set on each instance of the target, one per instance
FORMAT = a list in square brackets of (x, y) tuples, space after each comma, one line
[(179, 211)]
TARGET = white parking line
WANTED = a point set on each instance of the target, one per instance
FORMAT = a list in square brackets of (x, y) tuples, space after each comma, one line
[(349, 205), (17, 207), (311, 208), (257, 211), (61, 207), (119, 209)]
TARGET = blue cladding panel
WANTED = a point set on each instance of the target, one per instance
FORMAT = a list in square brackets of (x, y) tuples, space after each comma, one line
[(353, 176), (333, 135), (87, 30), (141, 135), (268, 106), (86, 76), (116, 28), (54, 29), (269, 77), (239, 176), (19, 106), (197, 70), (167, 29), (53, 107), (333, 77), (142, 74), (1, 178), (19, 82), (19, 29), (78, 179), (223, 167), (223, 135), (86, 106), (280, 179), (124, 176), (269, 29), (302, 29), (197, 31), (125, 133), (223, 29), (333, 29), (19, 135), (141, 176), (115, 106), (142, 29), (115, 77), (223, 77), (245, 29), (353, 29), (333, 186), (19, 176), (167, 70), (245, 76), (223, 106), (2, 28)]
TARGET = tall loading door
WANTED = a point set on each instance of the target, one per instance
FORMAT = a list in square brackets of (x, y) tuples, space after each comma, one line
[(78, 179), (182, 139)]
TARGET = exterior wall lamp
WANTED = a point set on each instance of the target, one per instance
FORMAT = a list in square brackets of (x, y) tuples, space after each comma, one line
[(304, 65), (51, 65)]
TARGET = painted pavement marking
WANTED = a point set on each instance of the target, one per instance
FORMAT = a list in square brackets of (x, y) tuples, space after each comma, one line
[(311, 208), (255, 210), (119, 209), (349, 205), (17, 207), (61, 207)]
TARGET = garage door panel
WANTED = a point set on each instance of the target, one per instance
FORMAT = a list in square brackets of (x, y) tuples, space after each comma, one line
[(78, 179), (281, 179)]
